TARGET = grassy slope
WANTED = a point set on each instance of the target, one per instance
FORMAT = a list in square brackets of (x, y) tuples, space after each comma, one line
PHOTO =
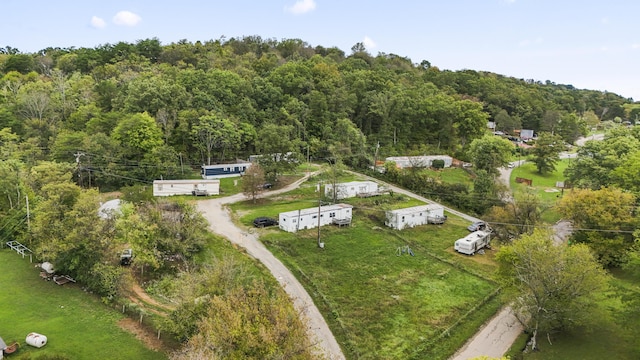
[(378, 304), (76, 324)]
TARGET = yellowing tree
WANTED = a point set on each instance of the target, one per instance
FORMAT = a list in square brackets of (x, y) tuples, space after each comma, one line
[(604, 219)]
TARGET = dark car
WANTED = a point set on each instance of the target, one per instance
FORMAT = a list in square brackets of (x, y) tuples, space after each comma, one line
[(267, 185), (199, 192), (264, 222), (478, 225)]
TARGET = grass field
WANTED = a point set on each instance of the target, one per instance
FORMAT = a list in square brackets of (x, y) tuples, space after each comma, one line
[(77, 324), (544, 185), (379, 304)]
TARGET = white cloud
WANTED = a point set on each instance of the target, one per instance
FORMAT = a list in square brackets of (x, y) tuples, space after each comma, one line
[(97, 22), (369, 43), (635, 46), (126, 18), (301, 7)]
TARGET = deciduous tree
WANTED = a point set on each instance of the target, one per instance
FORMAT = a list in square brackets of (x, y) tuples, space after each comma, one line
[(557, 286), (606, 219), (546, 152)]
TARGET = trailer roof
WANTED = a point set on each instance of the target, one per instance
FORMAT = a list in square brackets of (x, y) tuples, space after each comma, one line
[(415, 209), (314, 210)]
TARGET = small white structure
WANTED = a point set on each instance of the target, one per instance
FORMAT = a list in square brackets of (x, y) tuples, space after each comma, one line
[(292, 221), (185, 187), (351, 189), (473, 242), (403, 162), (526, 134), (413, 216), (109, 209), (47, 267), (36, 340)]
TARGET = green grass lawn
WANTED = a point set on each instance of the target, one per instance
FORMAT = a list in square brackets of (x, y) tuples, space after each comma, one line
[(451, 175), (77, 324), (544, 185), (378, 304)]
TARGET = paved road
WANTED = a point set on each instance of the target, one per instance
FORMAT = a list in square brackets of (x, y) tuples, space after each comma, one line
[(222, 224), (494, 338)]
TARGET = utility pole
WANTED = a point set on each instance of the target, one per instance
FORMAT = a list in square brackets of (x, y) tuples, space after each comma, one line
[(320, 245), (28, 214), (375, 157), (181, 165)]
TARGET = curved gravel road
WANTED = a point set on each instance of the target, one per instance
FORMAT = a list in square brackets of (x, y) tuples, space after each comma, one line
[(220, 222)]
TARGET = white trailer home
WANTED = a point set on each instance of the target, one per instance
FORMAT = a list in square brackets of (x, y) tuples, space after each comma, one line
[(414, 216), (218, 171), (351, 189), (186, 187), (419, 161), (473, 242), (292, 221)]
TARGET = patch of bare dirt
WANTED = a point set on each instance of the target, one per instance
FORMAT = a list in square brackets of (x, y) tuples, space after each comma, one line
[(149, 339), (141, 298)]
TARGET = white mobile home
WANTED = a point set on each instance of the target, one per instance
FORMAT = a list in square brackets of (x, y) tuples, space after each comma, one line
[(351, 189), (472, 242), (186, 187), (292, 221), (419, 161), (218, 171), (413, 216)]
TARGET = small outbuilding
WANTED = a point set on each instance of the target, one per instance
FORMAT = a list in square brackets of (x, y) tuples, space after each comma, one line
[(292, 221), (414, 216), (351, 189), (186, 187)]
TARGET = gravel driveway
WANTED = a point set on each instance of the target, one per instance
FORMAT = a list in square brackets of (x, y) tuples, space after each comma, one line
[(220, 223)]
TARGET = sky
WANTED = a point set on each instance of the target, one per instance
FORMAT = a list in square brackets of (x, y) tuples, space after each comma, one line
[(585, 43)]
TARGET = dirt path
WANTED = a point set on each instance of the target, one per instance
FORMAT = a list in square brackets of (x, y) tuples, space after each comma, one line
[(221, 223), (140, 297)]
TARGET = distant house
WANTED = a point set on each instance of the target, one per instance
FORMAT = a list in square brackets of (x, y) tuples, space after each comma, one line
[(289, 156), (526, 134), (186, 187), (351, 189), (292, 221), (413, 216), (218, 171), (419, 161)]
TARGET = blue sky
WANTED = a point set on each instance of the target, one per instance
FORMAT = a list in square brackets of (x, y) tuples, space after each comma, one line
[(589, 44)]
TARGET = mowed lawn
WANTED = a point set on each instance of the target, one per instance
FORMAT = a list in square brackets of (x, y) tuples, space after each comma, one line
[(544, 185), (76, 324), (382, 303)]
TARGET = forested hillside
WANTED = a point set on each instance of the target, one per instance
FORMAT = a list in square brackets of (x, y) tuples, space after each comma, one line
[(134, 112)]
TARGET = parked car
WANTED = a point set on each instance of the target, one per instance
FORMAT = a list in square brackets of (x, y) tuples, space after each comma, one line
[(267, 185), (199, 192), (264, 222), (478, 225)]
